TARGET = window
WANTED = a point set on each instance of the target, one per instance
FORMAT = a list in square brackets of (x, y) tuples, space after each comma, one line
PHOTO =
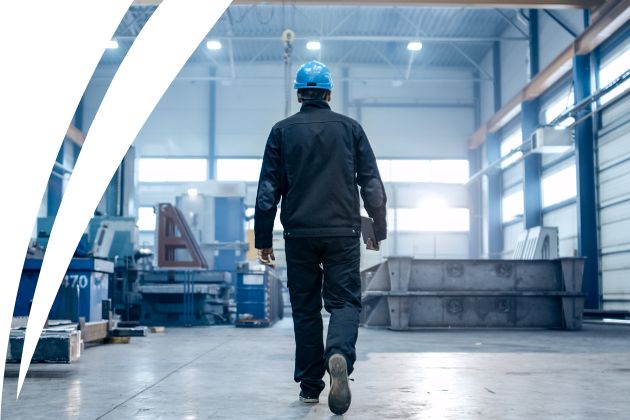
[(512, 206), (449, 171), (172, 169), (610, 69), (438, 219), (244, 170), (559, 186), (146, 219), (509, 143), (557, 107)]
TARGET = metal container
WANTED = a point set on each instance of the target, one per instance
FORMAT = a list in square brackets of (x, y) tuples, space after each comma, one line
[(259, 301), (81, 291), (405, 293)]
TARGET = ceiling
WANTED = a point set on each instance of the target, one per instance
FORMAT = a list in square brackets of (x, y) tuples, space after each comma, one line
[(451, 37)]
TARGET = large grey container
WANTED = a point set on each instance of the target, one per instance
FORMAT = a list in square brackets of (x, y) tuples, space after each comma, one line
[(405, 293)]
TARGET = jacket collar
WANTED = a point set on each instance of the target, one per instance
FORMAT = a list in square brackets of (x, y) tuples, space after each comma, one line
[(313, 105)]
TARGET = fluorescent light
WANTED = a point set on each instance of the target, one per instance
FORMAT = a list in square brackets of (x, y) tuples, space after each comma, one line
[(112, 45), (414, 46), (313, 45), (213, 45), (193, 192)]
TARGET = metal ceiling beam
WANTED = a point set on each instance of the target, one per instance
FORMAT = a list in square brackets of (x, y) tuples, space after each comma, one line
[(512, 23), (511, 4), (612, 17), (369, 38)]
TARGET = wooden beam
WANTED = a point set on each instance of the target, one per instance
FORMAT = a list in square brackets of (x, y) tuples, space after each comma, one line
[(75, 135), (513, 4), (612, 16)]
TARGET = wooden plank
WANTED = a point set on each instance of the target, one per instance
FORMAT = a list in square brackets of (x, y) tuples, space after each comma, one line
[(94, 331)]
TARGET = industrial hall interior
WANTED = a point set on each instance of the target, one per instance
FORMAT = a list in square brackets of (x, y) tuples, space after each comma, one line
[(337, 209)]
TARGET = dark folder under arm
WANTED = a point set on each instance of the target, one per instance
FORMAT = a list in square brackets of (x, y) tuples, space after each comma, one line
[(367, 230)]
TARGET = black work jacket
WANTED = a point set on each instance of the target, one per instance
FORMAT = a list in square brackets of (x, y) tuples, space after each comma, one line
[(315, 160)]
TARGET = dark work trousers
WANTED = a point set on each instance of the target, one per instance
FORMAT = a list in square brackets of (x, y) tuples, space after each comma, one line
[(340, 281)]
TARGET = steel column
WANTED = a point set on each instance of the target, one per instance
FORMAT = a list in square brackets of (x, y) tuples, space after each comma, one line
[(586, 197), (529, 122), (212, 125), (496, 75), (495, 233), (474, 188)]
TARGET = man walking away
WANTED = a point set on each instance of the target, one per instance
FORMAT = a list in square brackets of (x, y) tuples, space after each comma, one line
[(315, 161)]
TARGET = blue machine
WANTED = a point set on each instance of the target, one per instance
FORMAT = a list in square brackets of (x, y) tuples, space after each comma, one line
[(259, 300), (81, 293)]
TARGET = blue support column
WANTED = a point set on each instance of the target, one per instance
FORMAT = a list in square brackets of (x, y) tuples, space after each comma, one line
[(495, 228), (212, 126), (529, 122), (588, 245), (533, 167)]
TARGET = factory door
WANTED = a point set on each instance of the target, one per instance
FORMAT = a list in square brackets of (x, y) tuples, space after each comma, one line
[(613, 169)]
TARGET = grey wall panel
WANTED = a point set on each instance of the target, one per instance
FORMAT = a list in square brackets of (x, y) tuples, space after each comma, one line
[(613, 160), (419, 132), (510, 236), (430, 245), (565, 219)]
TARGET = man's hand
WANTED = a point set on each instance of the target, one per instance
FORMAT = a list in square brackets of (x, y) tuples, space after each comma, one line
[(266, 257), (371, 245)]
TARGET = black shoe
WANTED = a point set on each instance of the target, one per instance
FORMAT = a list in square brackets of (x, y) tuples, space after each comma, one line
[(308, 399), (339, 397)]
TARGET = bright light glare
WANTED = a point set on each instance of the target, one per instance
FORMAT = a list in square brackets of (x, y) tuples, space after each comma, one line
[(612, 68), (557, 107), (193, 192), (172, 169), (559, 186), (433, 203), (433, 220), (511, 142), (213, 45), (243, 170), (512, 206), (414, 46), (313, 45), (146, 219), (112, 44)]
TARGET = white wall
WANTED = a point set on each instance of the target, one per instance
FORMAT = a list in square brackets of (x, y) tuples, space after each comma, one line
[(401, 126), (553, 38)]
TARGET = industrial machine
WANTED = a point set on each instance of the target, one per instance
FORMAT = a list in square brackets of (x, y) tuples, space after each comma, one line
[(200, 243)]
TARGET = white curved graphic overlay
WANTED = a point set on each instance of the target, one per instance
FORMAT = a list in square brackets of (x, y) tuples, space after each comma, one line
[(49, 52), (159, 52)]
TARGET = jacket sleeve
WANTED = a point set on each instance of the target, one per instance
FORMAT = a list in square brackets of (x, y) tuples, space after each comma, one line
[(269, 192), (372, 189)]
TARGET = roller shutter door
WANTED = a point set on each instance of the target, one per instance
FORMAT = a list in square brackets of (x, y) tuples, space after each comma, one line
[(613, 167)]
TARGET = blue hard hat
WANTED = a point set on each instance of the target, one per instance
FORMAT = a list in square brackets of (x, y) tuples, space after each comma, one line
[(313, 75)]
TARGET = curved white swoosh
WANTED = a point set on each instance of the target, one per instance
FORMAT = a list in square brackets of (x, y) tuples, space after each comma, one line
[(49, 52), (166, 42)]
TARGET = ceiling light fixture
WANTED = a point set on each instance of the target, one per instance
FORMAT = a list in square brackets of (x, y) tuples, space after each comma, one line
[(213, 45), (414, 46), (313, 45)]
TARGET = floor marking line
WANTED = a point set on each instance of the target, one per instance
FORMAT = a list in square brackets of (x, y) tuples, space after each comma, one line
[(116, 407)]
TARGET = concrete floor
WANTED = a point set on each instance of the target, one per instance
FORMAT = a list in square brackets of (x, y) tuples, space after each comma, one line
[(229, 373)]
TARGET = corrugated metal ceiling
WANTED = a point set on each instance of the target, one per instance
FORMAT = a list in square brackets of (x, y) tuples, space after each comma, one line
[(256, 29)]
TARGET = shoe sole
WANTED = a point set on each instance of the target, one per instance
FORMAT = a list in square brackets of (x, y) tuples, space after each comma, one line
[(309, 400), (339, 397)]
